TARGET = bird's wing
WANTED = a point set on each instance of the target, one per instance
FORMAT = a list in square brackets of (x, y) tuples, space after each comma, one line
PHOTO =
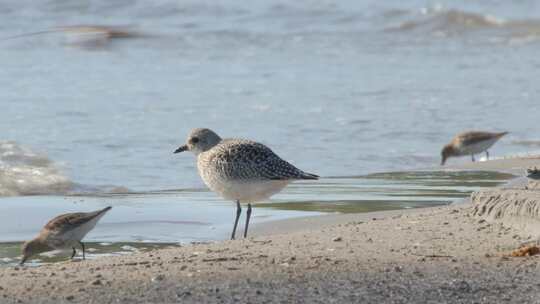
[(243, 159), (474, 137), (71, 220)]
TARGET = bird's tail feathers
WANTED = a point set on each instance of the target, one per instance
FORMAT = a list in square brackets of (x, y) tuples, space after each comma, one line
[(309, 176), (104, 209)]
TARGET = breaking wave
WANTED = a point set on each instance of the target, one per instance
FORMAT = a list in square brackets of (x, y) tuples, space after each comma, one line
[(24, 172), (451, 22)]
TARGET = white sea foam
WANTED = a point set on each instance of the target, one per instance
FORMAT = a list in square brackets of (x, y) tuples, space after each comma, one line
[(24, 172)]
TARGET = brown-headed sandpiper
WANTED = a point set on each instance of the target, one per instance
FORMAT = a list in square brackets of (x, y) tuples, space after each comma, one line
[(470, 143), (63, 231)]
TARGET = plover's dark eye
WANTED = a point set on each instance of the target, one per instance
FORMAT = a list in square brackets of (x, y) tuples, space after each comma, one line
[(194, 140)]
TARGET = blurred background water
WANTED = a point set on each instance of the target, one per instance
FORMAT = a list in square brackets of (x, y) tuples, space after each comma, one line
[(339, 89)]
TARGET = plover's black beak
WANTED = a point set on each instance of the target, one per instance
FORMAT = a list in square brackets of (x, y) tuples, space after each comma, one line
[(181, 149), (23, 260)]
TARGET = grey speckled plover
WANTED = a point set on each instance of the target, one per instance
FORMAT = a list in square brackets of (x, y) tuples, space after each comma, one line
[(470, 143), (63, 231), (240, 170)]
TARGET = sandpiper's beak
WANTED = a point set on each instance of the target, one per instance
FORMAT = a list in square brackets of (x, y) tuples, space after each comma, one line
[(181, 149), (23, 260), (443, 160)]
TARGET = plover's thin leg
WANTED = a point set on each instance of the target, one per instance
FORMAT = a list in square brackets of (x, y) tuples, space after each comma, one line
[(74, 252), (82, 245), (487, 154), (248, 216), (472, 156), (238, 211)]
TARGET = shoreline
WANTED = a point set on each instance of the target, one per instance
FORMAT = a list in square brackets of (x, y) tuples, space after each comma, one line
[(436, 254), (179, 216), (512, 165), (310, 223)]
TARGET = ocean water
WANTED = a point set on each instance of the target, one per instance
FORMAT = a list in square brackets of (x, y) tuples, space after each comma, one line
[(343, 90)]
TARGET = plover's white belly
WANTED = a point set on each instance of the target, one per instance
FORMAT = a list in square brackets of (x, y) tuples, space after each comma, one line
[(245, 191), (478, 147), (244, 170)]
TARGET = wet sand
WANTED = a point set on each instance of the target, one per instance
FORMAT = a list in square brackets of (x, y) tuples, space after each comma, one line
[(429, 255), (514, 165)]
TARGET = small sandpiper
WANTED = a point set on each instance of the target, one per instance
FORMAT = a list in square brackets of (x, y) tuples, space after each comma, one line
[(90, 36), (240, 170), (63, 231), (533, 173), (470, 143)]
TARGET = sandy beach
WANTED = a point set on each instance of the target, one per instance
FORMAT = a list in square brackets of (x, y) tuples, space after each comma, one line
[(429, 255)]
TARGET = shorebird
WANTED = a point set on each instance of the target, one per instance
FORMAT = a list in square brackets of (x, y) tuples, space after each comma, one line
[(533, 173), (470, 143), (240, 170), (63, 231), (91, 36)]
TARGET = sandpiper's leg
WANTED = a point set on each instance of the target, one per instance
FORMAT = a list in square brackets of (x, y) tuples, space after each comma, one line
[(74, 252), (82, 245), (472, 156), (248, 216), (487, 154), (238, 211)]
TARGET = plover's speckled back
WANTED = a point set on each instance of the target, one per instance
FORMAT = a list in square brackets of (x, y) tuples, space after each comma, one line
[(470, 143), (63, 231), (241, 170)]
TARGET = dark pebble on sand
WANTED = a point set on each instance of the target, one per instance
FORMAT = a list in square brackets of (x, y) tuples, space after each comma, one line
[(158, 278)]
